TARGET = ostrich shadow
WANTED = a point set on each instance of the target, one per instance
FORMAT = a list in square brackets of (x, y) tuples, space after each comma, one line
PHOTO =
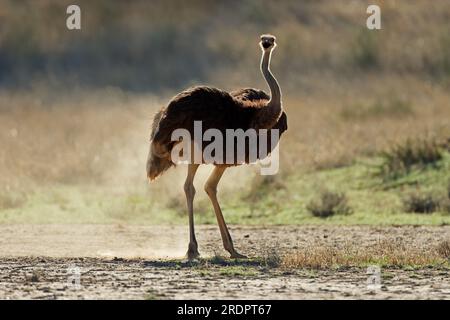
[(215, 261)]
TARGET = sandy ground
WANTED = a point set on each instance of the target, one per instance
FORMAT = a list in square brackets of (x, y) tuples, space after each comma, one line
[(130, 262)]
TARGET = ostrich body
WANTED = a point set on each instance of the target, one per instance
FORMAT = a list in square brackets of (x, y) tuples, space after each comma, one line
[(216, 109)]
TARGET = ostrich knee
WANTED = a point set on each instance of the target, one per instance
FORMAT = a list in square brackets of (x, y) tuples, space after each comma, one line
[(189, 190), (210, 190)]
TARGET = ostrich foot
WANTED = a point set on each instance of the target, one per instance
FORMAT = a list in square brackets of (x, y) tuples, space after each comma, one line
[(237, 255), (192, 255), (192, 252)]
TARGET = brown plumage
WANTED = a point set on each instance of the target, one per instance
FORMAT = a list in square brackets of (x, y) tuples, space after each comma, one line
[(216, 109)]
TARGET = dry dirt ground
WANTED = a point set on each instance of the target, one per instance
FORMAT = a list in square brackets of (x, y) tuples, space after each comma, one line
[(136, 262)]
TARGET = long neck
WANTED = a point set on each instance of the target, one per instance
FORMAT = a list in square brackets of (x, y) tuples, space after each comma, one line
[(275, 92), (269, 115)]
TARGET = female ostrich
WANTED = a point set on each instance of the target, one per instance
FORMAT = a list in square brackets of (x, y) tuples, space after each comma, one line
[(241, 109)]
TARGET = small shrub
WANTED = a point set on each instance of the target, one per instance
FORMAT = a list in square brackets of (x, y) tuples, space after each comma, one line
[(260, 186), (177, 203), (365, 50), (329, 204), (445, 144), (402, 158), (448, 190), (439, 64), (445, 205), (420, 203), (272, 259), (11, 201), (443, 249)]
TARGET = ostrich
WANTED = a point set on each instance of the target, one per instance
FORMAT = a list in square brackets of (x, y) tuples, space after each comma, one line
[(241, 109)]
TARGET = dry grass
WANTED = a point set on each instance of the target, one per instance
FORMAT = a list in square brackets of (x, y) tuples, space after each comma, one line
[(386, 253), (72, 139), (393, 107)]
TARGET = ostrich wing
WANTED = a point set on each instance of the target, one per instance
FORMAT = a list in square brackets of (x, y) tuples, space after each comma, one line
[(259, 98), (249, 94)]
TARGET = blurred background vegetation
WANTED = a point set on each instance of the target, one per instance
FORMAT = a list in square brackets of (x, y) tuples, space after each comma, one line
[(152, 45), (76, 107)]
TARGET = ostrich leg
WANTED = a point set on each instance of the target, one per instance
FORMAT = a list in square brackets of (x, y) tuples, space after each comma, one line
[(189, 190), (211, 190)]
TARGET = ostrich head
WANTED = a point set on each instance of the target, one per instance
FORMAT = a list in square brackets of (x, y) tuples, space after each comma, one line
[(267, 42)]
